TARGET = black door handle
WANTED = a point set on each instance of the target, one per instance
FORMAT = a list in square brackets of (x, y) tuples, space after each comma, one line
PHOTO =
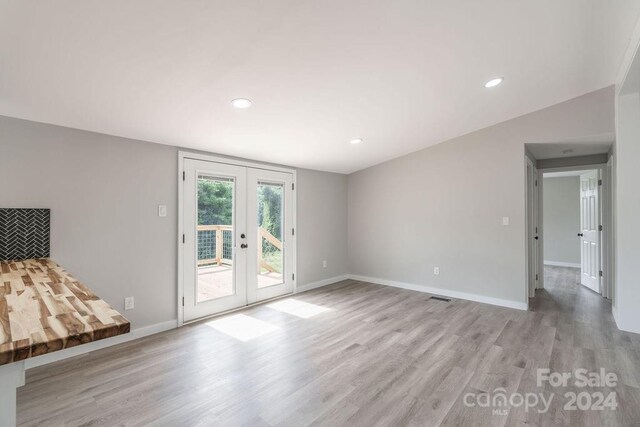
[(580, 235), (536, 237), (244, 246)]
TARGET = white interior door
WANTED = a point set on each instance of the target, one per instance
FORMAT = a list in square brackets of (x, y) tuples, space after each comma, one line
[(215, 224), (271, 233), (238, 244), (589, 234)]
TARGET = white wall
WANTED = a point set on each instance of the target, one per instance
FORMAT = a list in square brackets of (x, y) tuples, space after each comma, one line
[(627, 213), (104, 191), (561, 219), (443, 206), (626, 196)]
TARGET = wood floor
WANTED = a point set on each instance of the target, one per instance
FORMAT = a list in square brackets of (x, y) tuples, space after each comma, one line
[(378, 356)]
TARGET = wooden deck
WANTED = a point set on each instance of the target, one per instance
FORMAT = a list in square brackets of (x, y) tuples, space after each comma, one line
[(217, 281)]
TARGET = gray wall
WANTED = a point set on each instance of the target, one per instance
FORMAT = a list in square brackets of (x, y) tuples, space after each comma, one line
[(561, 219), (443, 206), (322, 225), (104, 191)]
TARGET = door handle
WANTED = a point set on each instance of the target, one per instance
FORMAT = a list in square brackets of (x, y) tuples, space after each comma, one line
[(244, 246), (536, 237), (580, 235)]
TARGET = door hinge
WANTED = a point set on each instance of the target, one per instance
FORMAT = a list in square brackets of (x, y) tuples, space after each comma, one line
[(184, 175), (183, 238), (599, 182), (293, 277), (601, 273), (293, 186), (536, 277), (599, 228), (293, 231), (183, 301), (536, 182)]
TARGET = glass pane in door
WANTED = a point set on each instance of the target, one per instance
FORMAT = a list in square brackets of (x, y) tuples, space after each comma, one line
[(215, 238), (270, 232)]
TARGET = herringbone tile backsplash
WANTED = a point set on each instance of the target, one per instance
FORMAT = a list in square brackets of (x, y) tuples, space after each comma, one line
[(24, 233)]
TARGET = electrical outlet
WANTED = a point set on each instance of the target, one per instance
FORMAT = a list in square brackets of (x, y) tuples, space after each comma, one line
[(162, 210), (324, 264), (128, 303), (505, 220), (436, 271)]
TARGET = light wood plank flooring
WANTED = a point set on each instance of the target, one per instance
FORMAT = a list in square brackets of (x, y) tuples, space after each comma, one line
[(378, 356)]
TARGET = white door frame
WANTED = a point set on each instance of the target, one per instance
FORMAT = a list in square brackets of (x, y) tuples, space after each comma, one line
[(606, 220), (532, 215), (609, 232), (182, 155)]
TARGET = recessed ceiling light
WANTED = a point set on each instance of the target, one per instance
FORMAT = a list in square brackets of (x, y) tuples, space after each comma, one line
[(356, 140), (241, 103), (494, 82)]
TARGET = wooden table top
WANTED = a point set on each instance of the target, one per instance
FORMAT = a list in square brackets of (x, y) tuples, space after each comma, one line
[(44, 309)]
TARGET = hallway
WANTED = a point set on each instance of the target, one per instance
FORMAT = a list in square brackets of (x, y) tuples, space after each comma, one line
[(571, 303)]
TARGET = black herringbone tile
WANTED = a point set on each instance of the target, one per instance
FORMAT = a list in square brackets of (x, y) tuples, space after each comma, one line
[(24, 233)]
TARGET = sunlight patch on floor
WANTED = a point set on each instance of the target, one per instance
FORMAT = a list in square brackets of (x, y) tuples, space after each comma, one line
[(242, 327), (298, 308)]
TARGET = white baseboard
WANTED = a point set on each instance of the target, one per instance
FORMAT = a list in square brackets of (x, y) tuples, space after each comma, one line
[(320, 283), (443, 292), (97, 345), (562, 264)]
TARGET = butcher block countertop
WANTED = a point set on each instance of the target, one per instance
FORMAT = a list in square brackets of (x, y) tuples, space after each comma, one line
[(44, 309)]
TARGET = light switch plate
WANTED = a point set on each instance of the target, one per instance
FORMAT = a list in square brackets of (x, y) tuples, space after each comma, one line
[(505, 220), (162, 210)]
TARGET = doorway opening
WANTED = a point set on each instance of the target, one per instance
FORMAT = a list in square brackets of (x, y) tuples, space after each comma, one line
[(572, 224), (569, 230)]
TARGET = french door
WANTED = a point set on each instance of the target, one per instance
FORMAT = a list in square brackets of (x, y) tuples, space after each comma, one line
[(238, 234)]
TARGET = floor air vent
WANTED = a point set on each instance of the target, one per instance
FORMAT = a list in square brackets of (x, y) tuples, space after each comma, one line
[(441, 299)]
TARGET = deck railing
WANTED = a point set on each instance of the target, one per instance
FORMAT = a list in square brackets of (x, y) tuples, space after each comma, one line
[(221, 256), (222, 242), (264, 234)]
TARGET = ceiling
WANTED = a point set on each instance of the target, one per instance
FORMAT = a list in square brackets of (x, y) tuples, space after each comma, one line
[(582, 146), (564, 174), (402, 75)]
